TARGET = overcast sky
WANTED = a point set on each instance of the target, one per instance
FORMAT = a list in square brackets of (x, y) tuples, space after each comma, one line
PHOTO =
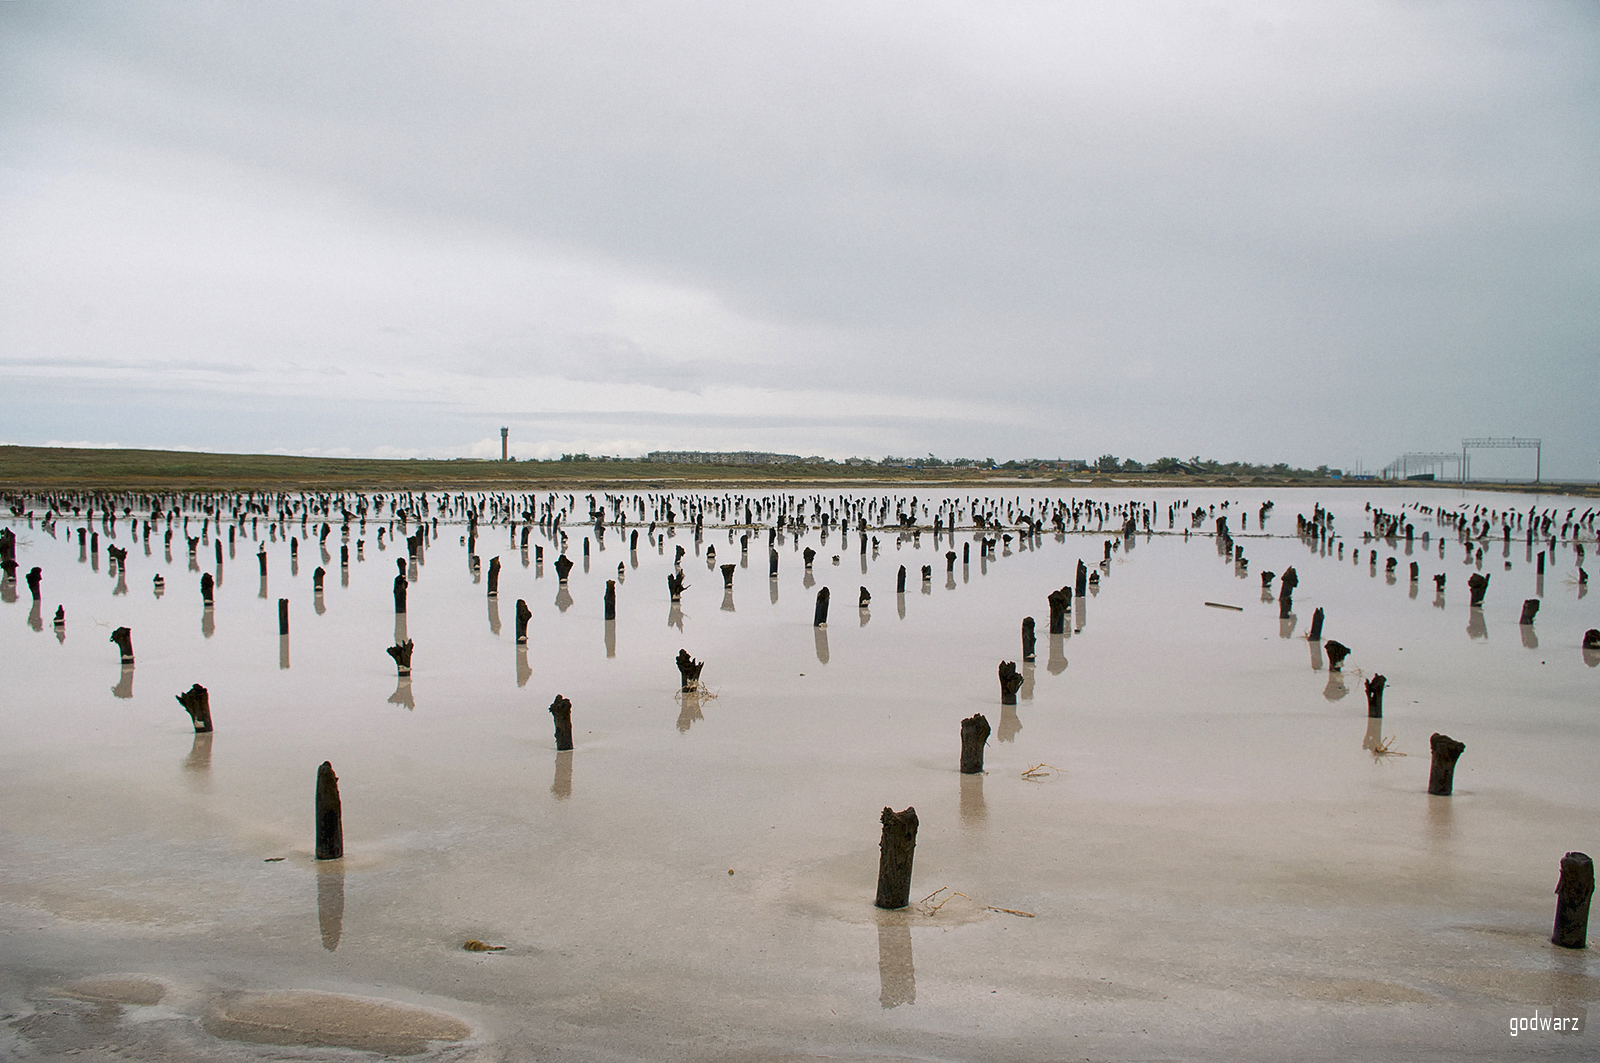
[(1314, 233)]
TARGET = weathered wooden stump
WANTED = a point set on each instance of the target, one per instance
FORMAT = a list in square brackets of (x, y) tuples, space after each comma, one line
[(318, 575), (400, 596), (1530, 609), (1316, 624), (927, 573), (820, 616), (727, 576), (1027, 638), (688, 671), (1337, 652), (561, 710), (772, 563), (1416, 572), (35, 575), (1477, 586), (864, 599), (611, 599), (261, 559), (196, 701), (1442, 775), (1081, 585), (1591, 639), (1060, 601), (283, 616), (401, 652), (524, 614), (974, 736), (810, 555), (896, 850), (676, 584), (123, 637), (494, 576), (950, 562), (1266, 580), (1010, 682), (208, 586), (1375, 687), (1285, 601), (900, 581), (563, 567), (330, 815), (1438, 582), (1573, 893)]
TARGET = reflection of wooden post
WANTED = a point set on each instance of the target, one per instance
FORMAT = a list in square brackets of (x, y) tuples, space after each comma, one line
[(1375, 696), (1573, 893), (1446, 751), (561, 709), (896, 849), (1010, 682), (196, 701), (974, 735), (1027, 638), (330, 815)]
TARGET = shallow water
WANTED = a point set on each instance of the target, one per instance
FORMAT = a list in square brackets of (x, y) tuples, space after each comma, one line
[(1212, 864)]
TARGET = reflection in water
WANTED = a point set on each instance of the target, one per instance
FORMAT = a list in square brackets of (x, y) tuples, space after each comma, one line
[(1080, 612), (866, 615), (689, 709), (400, 635), (675, 616), (1286, 626), (124, 687), (1335, 688), (1010, 724), (1438, 599), (524, 673), (727, 600), (809, 581), (402, 693), (1530, 638), (208, 621), (494, 616), (611, 638), (973, 811), (263, 592), (1026, 692), (283, 651), (562, 785), (330, 902), (36, 618), (1316, 654), (1441, 818), (1056, 662), (198, 762), (319, 603), (897, 977), (563, 598), (1476, 629), (1374, 736), (900, 605), (774, 582), (821, 639)]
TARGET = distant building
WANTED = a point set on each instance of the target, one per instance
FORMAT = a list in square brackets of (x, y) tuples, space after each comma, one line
[(723, 457)]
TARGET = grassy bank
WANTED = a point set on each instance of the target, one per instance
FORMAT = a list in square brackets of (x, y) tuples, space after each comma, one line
[(64, 468)]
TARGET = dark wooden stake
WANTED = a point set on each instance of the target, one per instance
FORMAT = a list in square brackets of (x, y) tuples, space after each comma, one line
[(1027, 638), (676, 584), (123, 637), (727, 576), (330, 815), (611, 599), (1573, 893), (688, 671), (772, 563), (283, 616), (863, 599), (810, 555), (900, 581), (974, 735), (494, 576), (207, 588), (1446, 751), (318, 574), (401, 652), (820, 616), (1530, 609), (561, 709), (1375, 696), (563, 566), (1010, 682), (524, 614), (1060, 601), (896, 850), (400, 596), (196, 701), (1316, 625), (1477, 587), (1337, 652)]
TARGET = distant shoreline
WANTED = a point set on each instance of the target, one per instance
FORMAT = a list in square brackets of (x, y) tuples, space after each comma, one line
[(90, 469)]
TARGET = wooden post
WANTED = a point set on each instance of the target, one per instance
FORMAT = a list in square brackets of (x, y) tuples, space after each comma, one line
[(611, 599), (1573, 893), (950, 562), (896, 850), (123, 637), (401, 652), (727, 576), (33, 578), (974, 735), (283, 616), (810, 555), (561, 709), (1530, 609), (900, 581), (772, 563), (330, 815), (1375, 696), (196, 701), (1446, 751), (1027, 638), (400, 596), (1060, 601), (563, 567), (688, 671), (1010, 682), (524, 614), (819, 618), (1337, 652), (864, 599), (1316, 625), (494, 576), (318, 574), (1477, 586), (207, 588), (676, 584)]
